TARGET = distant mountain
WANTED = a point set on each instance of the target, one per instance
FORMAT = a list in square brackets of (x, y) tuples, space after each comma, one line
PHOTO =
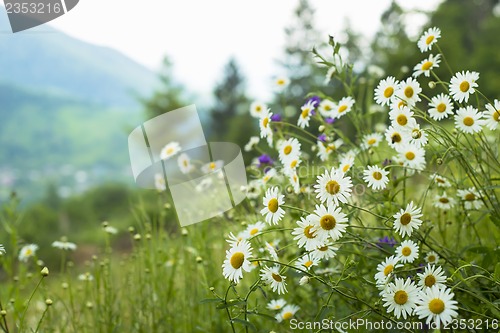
[(45, 58), (66, 108)]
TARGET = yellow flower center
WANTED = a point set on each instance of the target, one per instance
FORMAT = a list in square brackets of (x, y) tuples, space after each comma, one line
[(265, 122), (332, 187), (416, 134), (409, 92), (272, 205), (400, 297), (28, 252), (436, 306), (430, 280), (170, 150), (328, 107), (426, 65), (346, 168), (468, 121), (185, 163), (308, 233), (237, 260), (258, 108), (464, 86), (212, 165), (401, 104), (388, 269), (277, 277), (308, 263), (388, 92), (410, 155), (287, 150), (470, 197), (280, 82), (405, 219), (431, 258), (444, 200), (429, 39), (402, 120), (342, 108), (323, 248), (287, 315), (406, 251), (293, 164), (305, 113), (377, 175), (327, 222), (254, 231), (496, 115), (372, 141), (395, 138), (441, 107)]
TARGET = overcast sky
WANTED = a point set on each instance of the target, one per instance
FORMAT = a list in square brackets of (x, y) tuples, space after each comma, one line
[(199, 36)]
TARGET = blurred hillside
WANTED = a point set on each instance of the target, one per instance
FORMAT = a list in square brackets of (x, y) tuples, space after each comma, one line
[(66, 108)]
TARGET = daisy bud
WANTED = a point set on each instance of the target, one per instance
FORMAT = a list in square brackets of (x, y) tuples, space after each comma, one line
[(40, 263), (184, 232), (404, 69), (313, 148), (64, 285), (439, 161), (432, 84), (29, 275), (211, 288), (89, 305), (199, 260), (15, 278), (321, 128), (44, 271), (3, 313), (48, 301), (148, 236), (137, 237), (105, 224), (131, 230), (304, 280), (167, 206)]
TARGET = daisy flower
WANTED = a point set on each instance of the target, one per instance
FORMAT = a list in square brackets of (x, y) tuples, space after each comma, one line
[(407, 220), (440, 107), (436, 304), (281, 83), (408, 91), (395, 137), (271, 276), (440, 180), (432, 257), (400, 116), (265, 125), (212, 166), (307, 261), (408, 251), (415, 133), (237, 261), (333, 187), (426, 65), (257, 108), (344, 106), (469, 120), (346, 163), (2, 250), (443, 201), (326, 251), (289, 150), (276, 304), (400, 297), (471, 198), (371, 140), (184, 163), (428, 39), (432, 276), (170, 150), (254, 140), (385, 269), (384, 93), (324, 149), (272, 202), (305, 234), (254, 229), (305, 114), (492, 115), (268, 175), (326, 108), (63, 244), (86, 277), (329, 222), (329, 74), (376, 177), (287, 313), (160, 183), (27, 252), (271, 248), (462, 85), (412, 156), (294, 181)]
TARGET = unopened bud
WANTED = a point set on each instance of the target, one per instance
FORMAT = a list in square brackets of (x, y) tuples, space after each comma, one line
[(44, 271)]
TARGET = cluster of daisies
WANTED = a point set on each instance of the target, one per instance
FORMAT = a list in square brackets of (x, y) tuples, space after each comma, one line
[(317, 232)]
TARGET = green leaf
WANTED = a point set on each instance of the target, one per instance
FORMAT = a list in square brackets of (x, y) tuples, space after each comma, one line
[(245, 323), (496, 274)]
